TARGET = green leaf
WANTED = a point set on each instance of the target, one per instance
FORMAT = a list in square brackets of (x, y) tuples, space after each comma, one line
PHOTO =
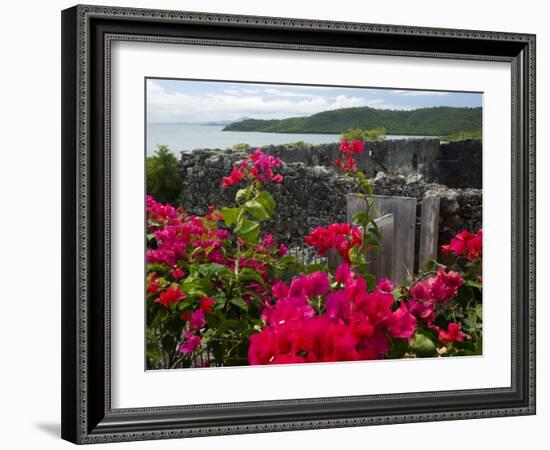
[(230, 215), (257, 210), (240, 303), (248, 274), (422, 345), (229, 324), (248, 229), (360, 218), (266, 200), (243, 194)]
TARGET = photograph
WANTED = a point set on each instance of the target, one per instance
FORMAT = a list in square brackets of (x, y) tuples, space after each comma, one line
[(300, 224)]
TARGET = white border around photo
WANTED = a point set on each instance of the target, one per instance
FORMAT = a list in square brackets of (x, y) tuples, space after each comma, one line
[(132, 386)]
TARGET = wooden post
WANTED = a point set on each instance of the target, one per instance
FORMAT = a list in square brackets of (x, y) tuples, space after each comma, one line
[(403, 210), (429, 230)]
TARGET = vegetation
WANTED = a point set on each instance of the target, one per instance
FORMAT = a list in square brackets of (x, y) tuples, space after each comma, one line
[(462, 135), (297, 144), (241, 147), (163, 178), (437, 121), (364, 135)]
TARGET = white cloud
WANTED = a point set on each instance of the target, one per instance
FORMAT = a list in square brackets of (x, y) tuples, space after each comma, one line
[(233, 103)]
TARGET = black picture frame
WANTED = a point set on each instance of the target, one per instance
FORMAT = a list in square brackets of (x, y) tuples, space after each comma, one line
[(87, 32)]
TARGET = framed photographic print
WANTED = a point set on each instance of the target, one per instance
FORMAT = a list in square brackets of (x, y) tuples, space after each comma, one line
[(283, 224)]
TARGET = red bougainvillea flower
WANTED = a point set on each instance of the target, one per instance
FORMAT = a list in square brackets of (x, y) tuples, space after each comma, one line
[(197, 320), (465, 243), (207, 304), (438, 289), (452, 334), (234, 177), (177, 273), (348, 149), (170, 295), (152, 285), (190, 343), (339, 236)]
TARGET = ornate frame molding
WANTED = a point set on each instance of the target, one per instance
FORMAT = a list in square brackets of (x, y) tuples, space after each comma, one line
[(80, 417)]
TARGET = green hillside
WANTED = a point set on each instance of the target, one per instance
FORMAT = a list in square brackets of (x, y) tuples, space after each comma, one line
[(437, 121)]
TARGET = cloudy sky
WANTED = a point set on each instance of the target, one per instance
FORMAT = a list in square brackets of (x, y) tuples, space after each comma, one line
[(210, 101)]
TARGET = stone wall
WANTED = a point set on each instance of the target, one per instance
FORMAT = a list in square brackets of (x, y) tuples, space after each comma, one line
[(313, 195), (460, 164)]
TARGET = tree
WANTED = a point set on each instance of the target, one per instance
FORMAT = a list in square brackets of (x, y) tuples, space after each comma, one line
[(163, 178)]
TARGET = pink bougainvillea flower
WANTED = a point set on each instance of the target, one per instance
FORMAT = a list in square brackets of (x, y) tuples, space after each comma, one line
[(316, 283), (337, 306), (207, 304), (268, 241), (171, 295), (422, 311), (452, 334), (279, 290), (177, 273), (190, 343), (343, 273), (421, 291), (282, 250), (401, 323), (197, 320), (222, 234), (438, 289), (384, 285)]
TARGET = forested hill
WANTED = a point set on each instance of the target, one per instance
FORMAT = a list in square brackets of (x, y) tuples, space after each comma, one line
[(437, 121)]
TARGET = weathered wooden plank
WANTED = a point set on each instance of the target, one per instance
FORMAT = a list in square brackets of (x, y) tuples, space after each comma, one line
[(403, 210), (334, 259), (381, 261), (429, 225)]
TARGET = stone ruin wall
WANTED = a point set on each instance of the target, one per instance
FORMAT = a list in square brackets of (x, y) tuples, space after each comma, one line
[(313, 192)]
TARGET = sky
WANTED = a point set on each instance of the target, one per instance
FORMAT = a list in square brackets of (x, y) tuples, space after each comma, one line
[(192, 101)]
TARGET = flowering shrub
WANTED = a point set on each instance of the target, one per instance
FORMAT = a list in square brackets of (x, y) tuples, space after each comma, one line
[(222, 292)]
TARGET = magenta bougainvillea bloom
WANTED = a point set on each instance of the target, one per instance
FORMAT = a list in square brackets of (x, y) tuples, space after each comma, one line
[(257, 167), (197, 320), (384, 285), (177, 273), (190, 343), (282, 250), (438, 289), (354, 325), (171, 295)]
